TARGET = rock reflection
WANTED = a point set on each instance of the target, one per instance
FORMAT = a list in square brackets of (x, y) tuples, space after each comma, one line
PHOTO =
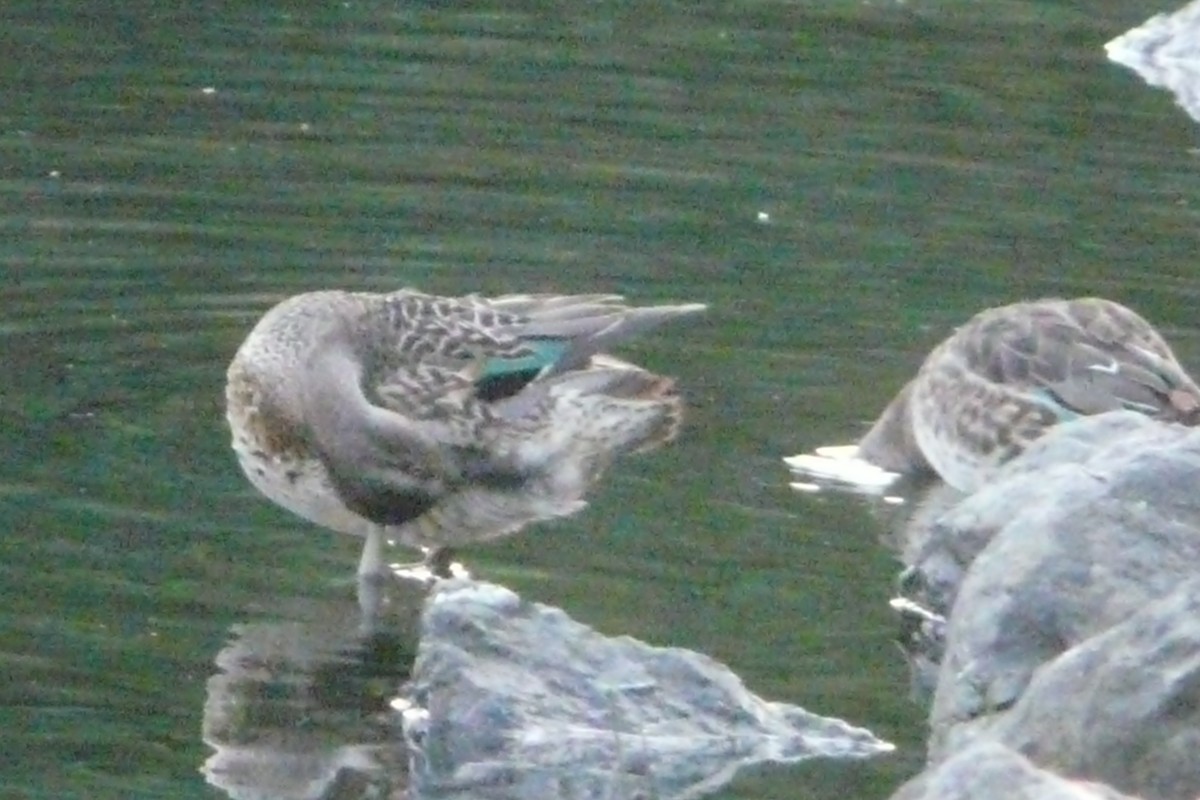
[(906, 508), (506, 699)]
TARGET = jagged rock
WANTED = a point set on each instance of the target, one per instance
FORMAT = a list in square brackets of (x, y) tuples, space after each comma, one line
[(988, 771), (1072, 588), (1165, 51), (1107, 535), (944, 530), (948, 530), (1124, 706), (516, 700)]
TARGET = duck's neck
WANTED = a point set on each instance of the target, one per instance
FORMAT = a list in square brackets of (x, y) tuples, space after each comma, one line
[(890, 443), (335, 407), (352, 433)]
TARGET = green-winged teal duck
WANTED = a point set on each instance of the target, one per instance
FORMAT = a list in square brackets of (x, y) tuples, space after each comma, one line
[(438, 421), (1010, 373)]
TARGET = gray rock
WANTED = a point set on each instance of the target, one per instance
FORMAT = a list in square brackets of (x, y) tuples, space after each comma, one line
[(516, 700), (1165, 52), (1072, 549), (988, 771), (944, 530), (1124, 706), (1072, 587)]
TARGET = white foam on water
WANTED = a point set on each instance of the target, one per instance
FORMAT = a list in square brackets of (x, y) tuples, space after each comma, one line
[(839, 468)]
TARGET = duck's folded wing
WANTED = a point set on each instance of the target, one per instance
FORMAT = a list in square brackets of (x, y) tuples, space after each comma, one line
[(530, 333), (423, 391), (590, 328), (1091, 375)]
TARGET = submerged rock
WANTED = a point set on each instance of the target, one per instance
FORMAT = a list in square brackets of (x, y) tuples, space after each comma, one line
[(511, 699)]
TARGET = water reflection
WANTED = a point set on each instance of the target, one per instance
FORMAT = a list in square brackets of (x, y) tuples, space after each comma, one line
[(906, 508), (299, 710)]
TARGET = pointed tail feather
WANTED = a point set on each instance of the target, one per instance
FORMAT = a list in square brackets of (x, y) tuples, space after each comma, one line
[(667, 422), (593, 329), (527, 304)]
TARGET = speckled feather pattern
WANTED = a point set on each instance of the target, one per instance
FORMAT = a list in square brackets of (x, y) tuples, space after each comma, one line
[(494, 465), (1010, 373)]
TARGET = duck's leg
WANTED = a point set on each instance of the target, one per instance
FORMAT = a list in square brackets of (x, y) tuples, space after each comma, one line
[(372, 574), (437, 563), (440, 562), (371, 562)]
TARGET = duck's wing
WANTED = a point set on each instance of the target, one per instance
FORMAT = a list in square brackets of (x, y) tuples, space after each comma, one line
[(526, 336), (583, 325), (1087, 356), (458, 366)]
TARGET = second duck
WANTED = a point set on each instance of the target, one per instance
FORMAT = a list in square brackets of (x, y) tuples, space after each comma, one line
[(1010, 373)]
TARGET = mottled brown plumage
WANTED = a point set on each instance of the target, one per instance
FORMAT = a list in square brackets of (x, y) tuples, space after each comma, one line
[(439, 421), (1010, 373)]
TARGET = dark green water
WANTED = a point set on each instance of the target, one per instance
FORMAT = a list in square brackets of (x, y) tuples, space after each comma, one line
[(165, 175)]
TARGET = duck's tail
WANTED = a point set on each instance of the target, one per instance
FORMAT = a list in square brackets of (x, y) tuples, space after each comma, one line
[(610, 408), (559, 435)]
